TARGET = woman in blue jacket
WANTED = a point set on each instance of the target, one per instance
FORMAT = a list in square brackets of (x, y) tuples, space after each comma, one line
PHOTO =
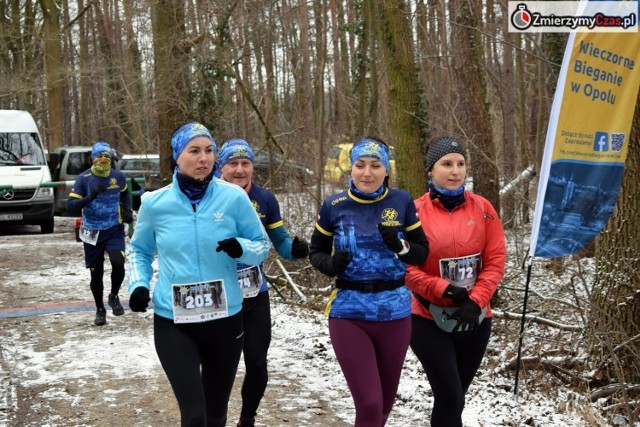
[(200, 228)]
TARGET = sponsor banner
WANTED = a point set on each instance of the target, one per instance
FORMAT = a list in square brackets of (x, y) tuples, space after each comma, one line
[(587, 141)]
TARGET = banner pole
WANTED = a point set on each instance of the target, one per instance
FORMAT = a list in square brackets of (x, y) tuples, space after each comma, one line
[(522, 320)]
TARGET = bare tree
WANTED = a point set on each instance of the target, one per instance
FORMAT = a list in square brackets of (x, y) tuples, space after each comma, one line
[(616, 298), (405, 110), (53, 67), (472, 104), (171, 88)]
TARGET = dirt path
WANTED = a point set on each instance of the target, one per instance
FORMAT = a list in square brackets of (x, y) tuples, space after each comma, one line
[(58, 369)]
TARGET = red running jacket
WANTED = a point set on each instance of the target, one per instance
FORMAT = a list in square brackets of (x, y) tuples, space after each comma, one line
[(472, 227)]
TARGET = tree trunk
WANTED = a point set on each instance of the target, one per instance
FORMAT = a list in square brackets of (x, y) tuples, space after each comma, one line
[(506, 86), (473, 106), (362, 64), (405, 110), (340, 100), (616, 298), (133, 86), (53, 69), (524, 158), (171, 69), (319, 95), (304, 88)]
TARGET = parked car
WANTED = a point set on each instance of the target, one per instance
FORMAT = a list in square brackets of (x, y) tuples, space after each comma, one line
[(287, 174), (337, 167), (66, 163), (145, 166)]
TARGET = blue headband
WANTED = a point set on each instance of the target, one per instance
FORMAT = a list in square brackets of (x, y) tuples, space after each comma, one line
[(235, 149), (99, 148), (185, 134), (370, 148)]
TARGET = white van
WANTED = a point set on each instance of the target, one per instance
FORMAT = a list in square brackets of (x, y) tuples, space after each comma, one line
[(23, 167)]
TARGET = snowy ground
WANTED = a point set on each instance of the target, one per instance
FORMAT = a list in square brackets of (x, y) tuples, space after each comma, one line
[(54, 364)]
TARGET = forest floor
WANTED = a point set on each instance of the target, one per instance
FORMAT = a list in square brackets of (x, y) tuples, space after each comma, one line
[(58, 369), (112, 383)]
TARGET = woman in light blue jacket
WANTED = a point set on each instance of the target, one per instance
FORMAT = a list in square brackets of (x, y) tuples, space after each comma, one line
[(200, 227)]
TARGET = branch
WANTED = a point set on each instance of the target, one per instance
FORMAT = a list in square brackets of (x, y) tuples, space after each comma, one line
[(610, 389), (556, 366), (82, 12), (511, 186), (254, 107), (535, 319)]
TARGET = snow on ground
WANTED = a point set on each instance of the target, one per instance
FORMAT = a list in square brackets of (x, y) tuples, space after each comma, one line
[(300, 351)]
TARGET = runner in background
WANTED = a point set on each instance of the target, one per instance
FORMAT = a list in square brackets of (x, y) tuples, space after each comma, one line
[(199, 227), (101, 196), (451, 320), (236, 166)]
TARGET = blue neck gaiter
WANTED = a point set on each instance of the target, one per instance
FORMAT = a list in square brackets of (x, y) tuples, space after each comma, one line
[(449, 198), (366, 196), (193, 188)]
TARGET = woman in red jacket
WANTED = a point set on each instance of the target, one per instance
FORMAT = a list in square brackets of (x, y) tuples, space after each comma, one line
[(451, 315)]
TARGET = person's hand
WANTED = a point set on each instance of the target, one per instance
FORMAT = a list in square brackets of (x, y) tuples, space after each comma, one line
[(390, 237), (127, 215), (139, 299), (97, 190), (467, 316), (231, 247), (299, 248), (340, 260), (456, 293)]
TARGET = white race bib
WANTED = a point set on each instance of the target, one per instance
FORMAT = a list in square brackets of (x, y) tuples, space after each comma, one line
[(199, 302), (461, 271), (88, 235), (250, 281)]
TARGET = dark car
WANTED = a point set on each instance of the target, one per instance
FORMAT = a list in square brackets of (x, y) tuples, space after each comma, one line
[(146, 166), (286, 174), (66, 163)]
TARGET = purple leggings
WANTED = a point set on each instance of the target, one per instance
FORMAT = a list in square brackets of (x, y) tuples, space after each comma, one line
[(371, 355)]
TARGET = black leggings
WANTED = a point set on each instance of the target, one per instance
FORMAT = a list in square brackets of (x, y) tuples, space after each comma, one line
[(257, 338), (200, 361), (97, 273), (450, 360)]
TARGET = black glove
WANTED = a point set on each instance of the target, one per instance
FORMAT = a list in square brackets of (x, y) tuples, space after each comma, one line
[(456, 293), (96, 190), (139, 299), (299, 248), (127, 215), (467, 316), (231, 247), (340, 260), (390, 237)]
